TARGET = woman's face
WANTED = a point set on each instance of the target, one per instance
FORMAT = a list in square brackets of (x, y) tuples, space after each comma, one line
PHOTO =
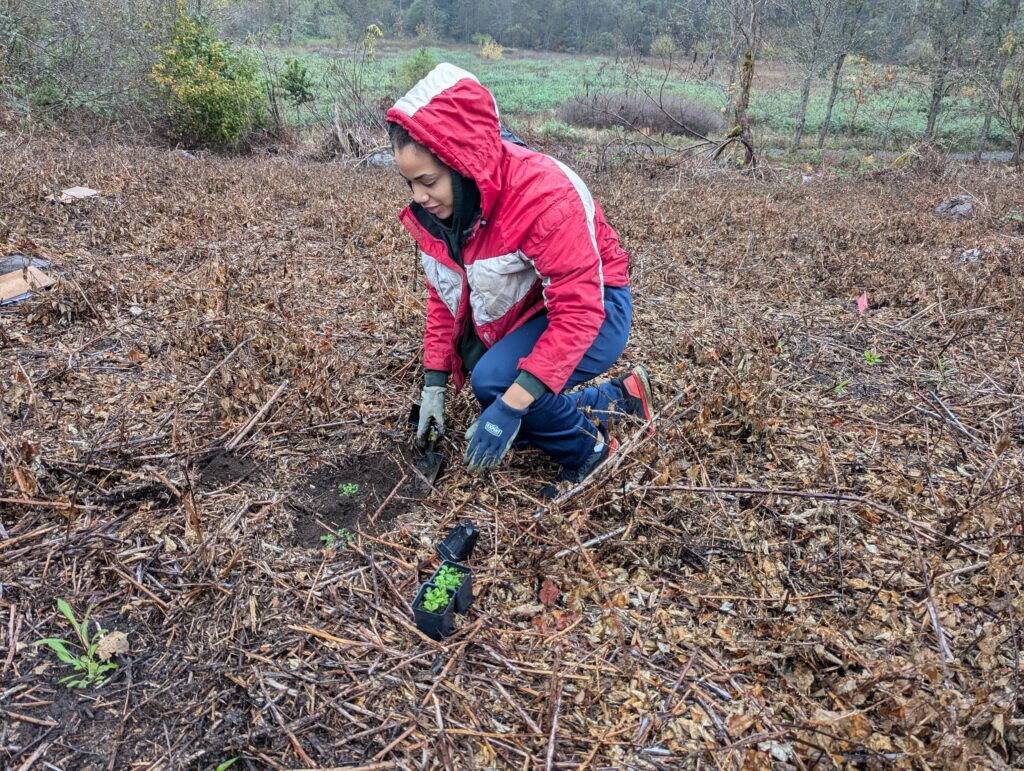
[(429, 179)]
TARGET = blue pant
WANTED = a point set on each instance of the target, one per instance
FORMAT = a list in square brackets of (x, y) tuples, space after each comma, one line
[(555, 423)]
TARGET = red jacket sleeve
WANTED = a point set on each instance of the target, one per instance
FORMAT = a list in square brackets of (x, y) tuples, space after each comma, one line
[(437, 338), (563, 251)]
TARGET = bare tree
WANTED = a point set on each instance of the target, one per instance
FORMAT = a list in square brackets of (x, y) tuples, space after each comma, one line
[(808, 31), (854, 19), (1006, 95), (996, 48), (948, 22), (747, 16)]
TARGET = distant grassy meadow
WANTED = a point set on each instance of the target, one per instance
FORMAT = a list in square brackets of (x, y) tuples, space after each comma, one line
[(878, 108)]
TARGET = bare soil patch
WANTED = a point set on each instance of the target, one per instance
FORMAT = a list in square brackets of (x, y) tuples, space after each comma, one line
[(225, 467), (362, 493)]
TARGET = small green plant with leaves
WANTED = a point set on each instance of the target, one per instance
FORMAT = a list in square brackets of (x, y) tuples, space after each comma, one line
[(435, 599), (341, 538), (944, 374), (348, 489), (872, 359), (90, 668), (448, 578), (840, 388)]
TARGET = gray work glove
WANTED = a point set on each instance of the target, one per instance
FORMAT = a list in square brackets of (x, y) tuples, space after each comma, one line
[(431, 407)]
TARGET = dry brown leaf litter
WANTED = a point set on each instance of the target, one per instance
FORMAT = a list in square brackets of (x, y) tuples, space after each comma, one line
[(867, 612)]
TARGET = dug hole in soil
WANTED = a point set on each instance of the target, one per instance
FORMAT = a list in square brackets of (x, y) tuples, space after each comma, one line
[(364, 492)]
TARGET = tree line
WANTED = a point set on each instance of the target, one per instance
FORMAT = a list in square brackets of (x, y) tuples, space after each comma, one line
[(96, 54)]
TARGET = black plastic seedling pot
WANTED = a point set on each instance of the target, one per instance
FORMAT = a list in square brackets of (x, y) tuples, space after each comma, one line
[(464, 594), (459, 543), (436, 625)]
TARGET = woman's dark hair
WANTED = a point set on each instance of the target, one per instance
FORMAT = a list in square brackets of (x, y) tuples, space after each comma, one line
[(399, 136)]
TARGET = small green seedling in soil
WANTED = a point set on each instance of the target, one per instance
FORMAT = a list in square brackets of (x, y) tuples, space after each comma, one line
[(871, 358), (840, 388), (448, 578), (225, 765), (943, 375), (341, 538), (90, 669), (348, 489), (435, 599)]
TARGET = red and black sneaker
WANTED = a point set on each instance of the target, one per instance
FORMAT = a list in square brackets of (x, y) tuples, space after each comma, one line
[(637, 394)]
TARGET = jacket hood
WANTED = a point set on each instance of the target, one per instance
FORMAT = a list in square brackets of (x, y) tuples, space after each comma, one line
[(456, 118)]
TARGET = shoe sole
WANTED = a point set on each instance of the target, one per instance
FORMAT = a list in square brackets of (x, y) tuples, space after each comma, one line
[(646, 395)]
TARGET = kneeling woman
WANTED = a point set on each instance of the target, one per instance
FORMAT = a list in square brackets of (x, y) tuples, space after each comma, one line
[(528, 286)]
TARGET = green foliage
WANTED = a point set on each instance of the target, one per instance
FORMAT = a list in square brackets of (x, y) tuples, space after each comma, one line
[(414, 68), (603, 42), (840, 388), (348, 489), (89, 668), (557, 130), (341, 538), (664, 47), (448, 578), (211, 91), (871, 358), (296, 83), (490, 48), (436, 598), (225, 765), (944, 374)]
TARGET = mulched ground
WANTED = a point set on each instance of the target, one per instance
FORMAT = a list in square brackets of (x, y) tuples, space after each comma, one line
[(815, 561)]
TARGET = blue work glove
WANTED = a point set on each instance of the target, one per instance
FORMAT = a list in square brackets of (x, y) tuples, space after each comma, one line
[(491, 435)]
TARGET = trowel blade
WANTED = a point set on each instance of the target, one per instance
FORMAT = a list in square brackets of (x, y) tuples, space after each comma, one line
[(429, 465)]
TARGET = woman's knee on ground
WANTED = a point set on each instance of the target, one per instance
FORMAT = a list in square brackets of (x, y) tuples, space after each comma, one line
[(489, 382)]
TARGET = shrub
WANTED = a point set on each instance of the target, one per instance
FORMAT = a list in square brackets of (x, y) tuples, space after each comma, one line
[(296, 83), (664, 47), (675, 115), (413, 68), (490, 48), (211, 92), (557, 130), (601, 43)]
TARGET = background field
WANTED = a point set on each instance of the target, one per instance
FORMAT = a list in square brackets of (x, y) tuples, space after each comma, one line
[(530, 87)]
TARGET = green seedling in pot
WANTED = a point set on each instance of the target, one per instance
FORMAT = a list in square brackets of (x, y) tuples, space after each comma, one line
[(435, 599), (90, 664), (348, 489), (448, 578)]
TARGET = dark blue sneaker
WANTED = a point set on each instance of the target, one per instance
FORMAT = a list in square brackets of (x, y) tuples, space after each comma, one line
[(577, 475)]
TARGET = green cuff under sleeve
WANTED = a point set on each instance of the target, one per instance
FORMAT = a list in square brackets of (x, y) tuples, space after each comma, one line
[(435, 377), (532, 384)]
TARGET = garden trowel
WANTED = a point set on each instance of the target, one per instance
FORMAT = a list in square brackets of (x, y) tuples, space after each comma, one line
[(429, 465)]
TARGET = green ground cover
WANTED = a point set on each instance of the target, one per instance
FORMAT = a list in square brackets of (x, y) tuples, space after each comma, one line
[(530, 87)]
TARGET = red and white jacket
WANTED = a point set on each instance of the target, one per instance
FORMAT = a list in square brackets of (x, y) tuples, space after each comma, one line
[(541, 242)]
